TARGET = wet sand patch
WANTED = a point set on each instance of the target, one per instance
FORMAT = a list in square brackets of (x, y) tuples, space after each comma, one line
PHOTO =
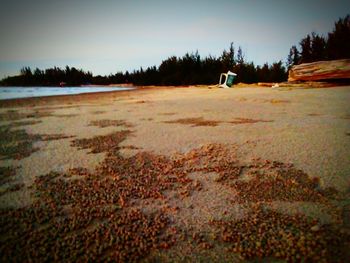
[(109, 123), (167, 113), (18, 144), (22, 123), (195, 122), (12, 115), (247, 121), (98, 112)]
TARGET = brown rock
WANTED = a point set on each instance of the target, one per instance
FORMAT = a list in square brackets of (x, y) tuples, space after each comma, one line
[(320, 70)]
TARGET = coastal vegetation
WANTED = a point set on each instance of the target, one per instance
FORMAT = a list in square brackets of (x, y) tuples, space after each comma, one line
[(316, 47), (191, 68)]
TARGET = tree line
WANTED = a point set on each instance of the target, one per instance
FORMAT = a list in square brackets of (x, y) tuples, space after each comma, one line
[(191, 68), (49, 77), (315, 47)]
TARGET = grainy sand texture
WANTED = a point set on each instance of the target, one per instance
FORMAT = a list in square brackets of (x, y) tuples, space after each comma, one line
[(177, 174)]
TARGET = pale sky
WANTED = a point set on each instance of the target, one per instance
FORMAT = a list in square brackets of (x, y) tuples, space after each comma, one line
[(105, 36)]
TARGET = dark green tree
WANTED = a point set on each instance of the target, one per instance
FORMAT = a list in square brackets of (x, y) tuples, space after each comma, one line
[(228, 58), (305, 44), (293, 57), (318, 47), (240, 56), (338, 44)]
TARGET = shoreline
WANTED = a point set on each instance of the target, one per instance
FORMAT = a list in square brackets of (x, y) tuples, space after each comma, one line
[(91, 95), (22, 102), (67, 98)]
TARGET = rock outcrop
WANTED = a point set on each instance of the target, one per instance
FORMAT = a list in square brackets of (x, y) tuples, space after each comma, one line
[(320, 70)]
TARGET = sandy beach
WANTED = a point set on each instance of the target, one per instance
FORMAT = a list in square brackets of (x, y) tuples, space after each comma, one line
[(197, 164)]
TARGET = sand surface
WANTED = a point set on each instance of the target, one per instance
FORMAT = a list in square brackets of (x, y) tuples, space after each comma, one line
[(306, 128)]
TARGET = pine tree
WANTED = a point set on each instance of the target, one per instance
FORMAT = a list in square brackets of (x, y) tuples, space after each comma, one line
[(338, 46), (240, 56), (318, 47), (305, 45), (293, 57)]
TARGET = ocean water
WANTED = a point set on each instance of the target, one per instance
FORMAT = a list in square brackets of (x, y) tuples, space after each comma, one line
[(27, 92)]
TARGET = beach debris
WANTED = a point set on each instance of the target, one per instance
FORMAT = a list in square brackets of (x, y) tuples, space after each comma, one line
[(320, 70), (227, 79)]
